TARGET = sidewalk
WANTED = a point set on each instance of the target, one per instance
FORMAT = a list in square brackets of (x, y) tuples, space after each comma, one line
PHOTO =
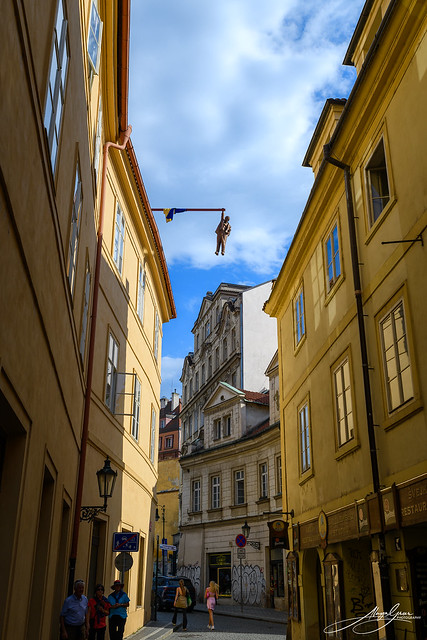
[(161, 630)]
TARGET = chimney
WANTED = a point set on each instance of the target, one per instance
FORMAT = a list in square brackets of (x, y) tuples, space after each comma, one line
[(163, 402), (175, 400)]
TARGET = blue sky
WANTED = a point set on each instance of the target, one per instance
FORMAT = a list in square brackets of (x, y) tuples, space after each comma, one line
[(223, 100)]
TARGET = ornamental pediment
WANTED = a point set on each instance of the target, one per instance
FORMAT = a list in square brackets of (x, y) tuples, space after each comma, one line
[(224, 392)]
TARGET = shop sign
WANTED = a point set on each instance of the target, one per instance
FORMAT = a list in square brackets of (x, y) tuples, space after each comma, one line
[(309, 535), (342, 525), (413, 503), (388, 498), (362, 517)]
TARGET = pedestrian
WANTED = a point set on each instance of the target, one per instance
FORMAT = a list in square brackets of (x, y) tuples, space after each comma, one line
[(211, 597), (181, 604), (222, 231), (98, 610), (74, 616), (119, 602)]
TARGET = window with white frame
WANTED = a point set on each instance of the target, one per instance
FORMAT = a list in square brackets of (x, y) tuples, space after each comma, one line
[(227, 426), (332, 254), (215, 492), (217, 429), (76, 215), (239, 487), (55, 97), (263, 480), (207, 329), (141, 292), (169, 442), (195, 496), (343, 402), (111, 381), (304, 434), (378, 182), (153, 435), (85, 314), (136, 408), (98, 140), (396, 360), (299, 316), (119, 239), (156, 335), (94, 37), (279, 475)]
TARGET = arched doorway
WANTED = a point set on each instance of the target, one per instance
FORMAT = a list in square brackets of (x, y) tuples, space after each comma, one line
[(312, 598)]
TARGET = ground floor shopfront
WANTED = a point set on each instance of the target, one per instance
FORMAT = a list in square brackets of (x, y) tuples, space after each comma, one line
[(372, 553), (252, 575)]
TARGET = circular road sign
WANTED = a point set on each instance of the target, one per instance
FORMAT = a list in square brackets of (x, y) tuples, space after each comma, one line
[(123, 561), (241, 540)]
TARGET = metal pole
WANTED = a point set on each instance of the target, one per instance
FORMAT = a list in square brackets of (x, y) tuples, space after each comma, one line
[(163, 540), (241, 585), (157, 573)]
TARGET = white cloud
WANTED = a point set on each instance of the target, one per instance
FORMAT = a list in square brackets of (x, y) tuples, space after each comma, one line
[(223, 104), (171, 373)]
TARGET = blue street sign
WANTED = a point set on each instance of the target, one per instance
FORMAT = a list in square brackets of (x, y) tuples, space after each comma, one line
[(125, 541), (241, 540)]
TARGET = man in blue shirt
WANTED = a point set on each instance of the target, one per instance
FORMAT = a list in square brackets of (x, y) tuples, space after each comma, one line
[(117, 618), (74, 616)]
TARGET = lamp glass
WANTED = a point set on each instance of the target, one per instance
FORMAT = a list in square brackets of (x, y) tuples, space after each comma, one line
[(106, 480), (246, 529)]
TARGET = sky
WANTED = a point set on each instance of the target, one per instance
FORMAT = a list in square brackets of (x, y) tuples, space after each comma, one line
[(224, 97)]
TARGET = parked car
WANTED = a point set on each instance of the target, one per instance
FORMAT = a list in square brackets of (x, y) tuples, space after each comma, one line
[(166, 590)]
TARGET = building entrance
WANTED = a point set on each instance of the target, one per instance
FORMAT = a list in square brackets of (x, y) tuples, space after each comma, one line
[(219, 570)]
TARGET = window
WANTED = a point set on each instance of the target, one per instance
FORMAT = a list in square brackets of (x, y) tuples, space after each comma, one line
[(111, 382), (85, 313), (94, 37), (209, 366), (156, 335), (98, 139), (234, 379), (217, 358), (74, 230), (333, 265), (233, 339), (153, 435), (56, 84), (197, 342), (239, 487), (119, 239), (395, 351), (299, 317), (195, 496), (279, 475), (191, 388), (196, 421), (207, 329), (263, 480), (227, 426), (343, 403), (162, 424), (304, 431), (224, 349), (217, 429), (136, 408), (190, 426), (169, 442), (203, 374), (215, 492), (378, 185), (141, 292), (196, 383)]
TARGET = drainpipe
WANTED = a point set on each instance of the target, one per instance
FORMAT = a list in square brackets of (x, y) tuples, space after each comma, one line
[(85, 429), (384, 574)]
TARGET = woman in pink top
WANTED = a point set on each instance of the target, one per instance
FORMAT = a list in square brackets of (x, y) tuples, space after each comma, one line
[(211, 596)]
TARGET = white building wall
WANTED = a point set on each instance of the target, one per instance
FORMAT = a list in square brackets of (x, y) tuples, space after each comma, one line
[(259, 339)]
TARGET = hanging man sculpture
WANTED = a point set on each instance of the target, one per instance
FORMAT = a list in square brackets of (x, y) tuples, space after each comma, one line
[(222, 232)]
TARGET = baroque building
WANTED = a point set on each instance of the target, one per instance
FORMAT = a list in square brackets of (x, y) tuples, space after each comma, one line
[(350, 306), (84, 292), (227, 348)]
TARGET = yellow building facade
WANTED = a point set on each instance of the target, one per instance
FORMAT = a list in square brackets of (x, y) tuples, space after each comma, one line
[(350, 306), (84, 292)]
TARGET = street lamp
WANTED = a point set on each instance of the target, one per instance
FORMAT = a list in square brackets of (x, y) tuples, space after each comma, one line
[(106, 481), (162, 506), (246, 530)]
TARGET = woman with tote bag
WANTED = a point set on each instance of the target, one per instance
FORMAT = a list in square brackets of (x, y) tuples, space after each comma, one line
[(181, 604)]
